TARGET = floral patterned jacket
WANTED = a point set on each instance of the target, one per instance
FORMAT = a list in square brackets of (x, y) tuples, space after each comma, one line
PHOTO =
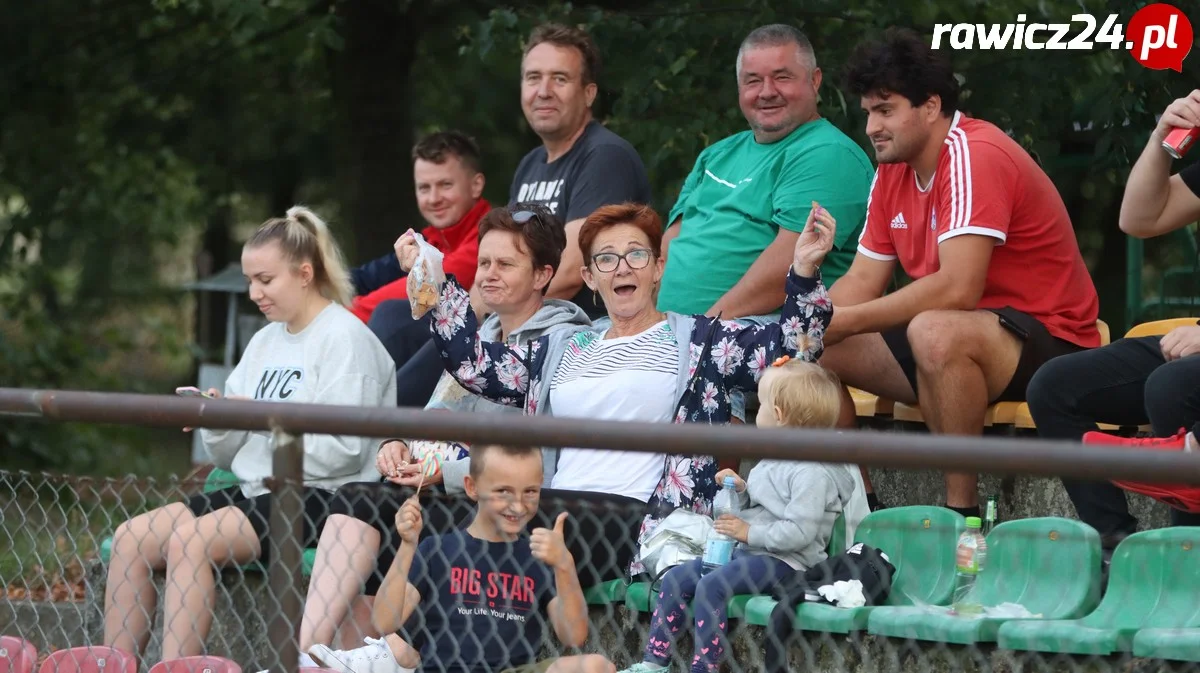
[(717, 357)]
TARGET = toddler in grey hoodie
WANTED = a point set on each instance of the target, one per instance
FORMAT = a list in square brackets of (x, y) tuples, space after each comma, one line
[(786, 520)]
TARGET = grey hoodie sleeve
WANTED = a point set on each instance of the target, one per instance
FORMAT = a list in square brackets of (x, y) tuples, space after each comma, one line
[(453, 474), (810, 489)]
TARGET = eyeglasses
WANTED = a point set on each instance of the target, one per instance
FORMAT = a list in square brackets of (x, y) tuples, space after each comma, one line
[(608, 261)]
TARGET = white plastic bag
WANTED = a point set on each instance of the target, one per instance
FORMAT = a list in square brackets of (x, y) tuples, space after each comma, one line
[(426, 277), (677, 539)]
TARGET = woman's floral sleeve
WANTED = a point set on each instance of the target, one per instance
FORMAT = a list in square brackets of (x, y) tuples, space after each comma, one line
[(490, 369), (740, 353)]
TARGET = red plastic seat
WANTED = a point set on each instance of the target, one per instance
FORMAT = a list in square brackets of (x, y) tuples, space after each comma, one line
[(201, 664), (17, 655), (96, 659)]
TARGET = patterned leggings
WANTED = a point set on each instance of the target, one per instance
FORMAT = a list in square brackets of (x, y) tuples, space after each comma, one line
[(746, 573)]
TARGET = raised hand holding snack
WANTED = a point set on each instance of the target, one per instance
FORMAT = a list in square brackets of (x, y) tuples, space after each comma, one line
[(815, 241), (409, 520), (425, 277)]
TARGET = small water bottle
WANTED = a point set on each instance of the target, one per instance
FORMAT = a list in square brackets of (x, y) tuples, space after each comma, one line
[(970, 558), (718, 548)]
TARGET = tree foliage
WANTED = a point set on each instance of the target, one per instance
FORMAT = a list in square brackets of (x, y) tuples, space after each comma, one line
[(137, 137)]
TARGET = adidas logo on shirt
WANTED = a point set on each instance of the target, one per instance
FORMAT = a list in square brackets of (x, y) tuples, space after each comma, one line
[(898, 222)]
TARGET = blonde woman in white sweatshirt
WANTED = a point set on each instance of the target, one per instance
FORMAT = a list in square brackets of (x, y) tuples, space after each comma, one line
[(313, 351)]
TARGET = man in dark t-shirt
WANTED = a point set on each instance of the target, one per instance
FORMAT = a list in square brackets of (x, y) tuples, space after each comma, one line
[(477, 600), (580, 165), (1131, 382)]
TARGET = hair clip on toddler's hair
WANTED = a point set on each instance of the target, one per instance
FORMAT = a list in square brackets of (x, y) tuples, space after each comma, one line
[(781, 361)]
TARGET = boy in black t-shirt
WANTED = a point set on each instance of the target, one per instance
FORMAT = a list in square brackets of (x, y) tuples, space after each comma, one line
[(477, 600)]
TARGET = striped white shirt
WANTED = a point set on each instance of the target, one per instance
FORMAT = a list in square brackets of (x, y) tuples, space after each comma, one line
[(623, 379)]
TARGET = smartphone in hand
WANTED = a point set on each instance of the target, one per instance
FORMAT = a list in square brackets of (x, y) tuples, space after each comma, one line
[(191, 391)]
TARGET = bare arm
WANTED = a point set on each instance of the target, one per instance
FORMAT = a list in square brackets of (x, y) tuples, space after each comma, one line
[(391, 610), (569, 278), (671, 234), (957, 285), (1156, 202), (568, 611), (867, 279), (761, 290)]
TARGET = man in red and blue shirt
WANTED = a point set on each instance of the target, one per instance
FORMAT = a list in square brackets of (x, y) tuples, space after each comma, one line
[(448, 181), (998, 283)]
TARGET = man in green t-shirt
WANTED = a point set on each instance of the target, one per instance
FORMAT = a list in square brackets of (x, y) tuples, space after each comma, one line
[(735, 224)]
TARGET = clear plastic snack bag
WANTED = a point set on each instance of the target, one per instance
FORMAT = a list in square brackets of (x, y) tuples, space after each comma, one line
[(426, 277)]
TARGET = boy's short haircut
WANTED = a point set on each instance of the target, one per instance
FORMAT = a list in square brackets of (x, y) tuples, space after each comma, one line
[(480, 451), (806, 394)]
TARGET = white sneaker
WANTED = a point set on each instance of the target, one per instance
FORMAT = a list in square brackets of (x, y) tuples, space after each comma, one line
[(374, 657)]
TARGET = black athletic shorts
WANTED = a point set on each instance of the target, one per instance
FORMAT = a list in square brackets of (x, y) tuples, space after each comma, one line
[(1039, 347), (258, 511), (376, 503)]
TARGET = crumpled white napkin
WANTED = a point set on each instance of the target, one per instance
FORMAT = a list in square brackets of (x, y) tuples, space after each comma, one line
[(844, 594), (1010, 611)]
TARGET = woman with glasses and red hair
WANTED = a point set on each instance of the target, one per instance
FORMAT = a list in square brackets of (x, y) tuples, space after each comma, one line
[(647, 366)]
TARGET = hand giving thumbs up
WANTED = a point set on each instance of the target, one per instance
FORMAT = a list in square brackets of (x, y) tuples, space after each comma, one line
[(549, 546)]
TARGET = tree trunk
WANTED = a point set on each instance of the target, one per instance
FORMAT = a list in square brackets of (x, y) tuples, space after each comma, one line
[(214, 255), (371, 89)]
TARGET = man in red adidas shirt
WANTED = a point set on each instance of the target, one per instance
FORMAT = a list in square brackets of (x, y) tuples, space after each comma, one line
[(999, 285)]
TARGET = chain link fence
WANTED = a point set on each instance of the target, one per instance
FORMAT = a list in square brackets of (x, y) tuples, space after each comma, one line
[(64, 552), (292, 575)]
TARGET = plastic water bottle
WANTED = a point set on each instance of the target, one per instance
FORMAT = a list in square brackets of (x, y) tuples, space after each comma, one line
[(970, 558), (718, 548), (989, 515)]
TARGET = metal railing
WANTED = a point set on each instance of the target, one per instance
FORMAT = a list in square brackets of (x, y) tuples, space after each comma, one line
[(289, 422), (994, 455)]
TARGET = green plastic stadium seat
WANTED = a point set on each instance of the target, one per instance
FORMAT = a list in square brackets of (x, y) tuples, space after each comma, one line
[(218, 479), (920, 541), (1175, 644), (638, 597), (837, 539), (612, 591), (1152, 584), (1051, 566)]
